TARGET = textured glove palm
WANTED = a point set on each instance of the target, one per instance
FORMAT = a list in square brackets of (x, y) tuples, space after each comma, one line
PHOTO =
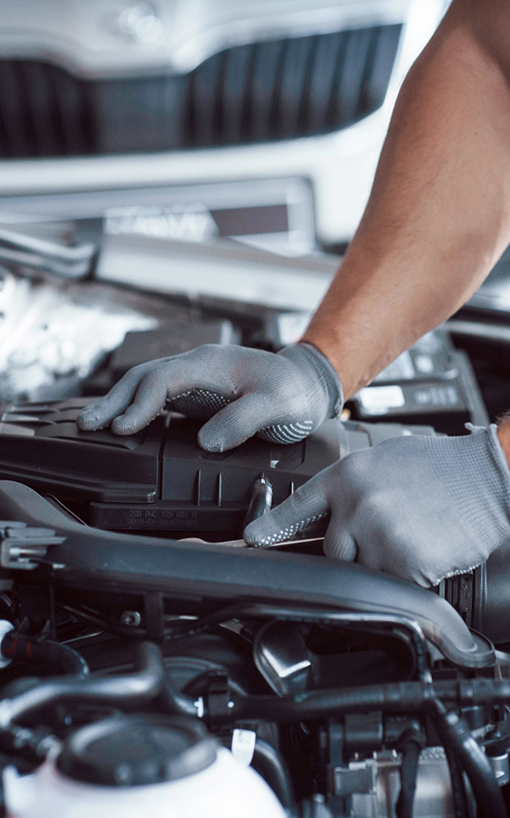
[(420, 507), (282, 397)]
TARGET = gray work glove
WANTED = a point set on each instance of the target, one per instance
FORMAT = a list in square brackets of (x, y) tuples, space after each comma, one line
[(282, 398), (423, 508)]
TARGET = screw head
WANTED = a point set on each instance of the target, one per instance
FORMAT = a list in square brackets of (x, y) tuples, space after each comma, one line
[(131, 618)]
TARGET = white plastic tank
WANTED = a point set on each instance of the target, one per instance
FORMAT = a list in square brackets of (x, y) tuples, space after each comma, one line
[(130, 767)]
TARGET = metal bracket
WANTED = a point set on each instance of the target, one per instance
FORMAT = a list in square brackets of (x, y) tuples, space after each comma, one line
[(217, 700), (23, 547), (41, 254)]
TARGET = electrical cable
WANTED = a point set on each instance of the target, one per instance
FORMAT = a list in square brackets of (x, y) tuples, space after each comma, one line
[(410, 745), (106, 624), (186, 628)]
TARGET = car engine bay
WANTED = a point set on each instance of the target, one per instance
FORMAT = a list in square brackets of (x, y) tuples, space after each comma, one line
[(185, 173), (141, 638)]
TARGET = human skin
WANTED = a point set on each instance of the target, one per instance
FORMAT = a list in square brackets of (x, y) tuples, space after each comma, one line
[(504, 437), (438, 217)]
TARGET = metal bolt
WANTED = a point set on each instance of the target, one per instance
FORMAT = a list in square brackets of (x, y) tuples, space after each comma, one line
[(131, 618), (500, 768)]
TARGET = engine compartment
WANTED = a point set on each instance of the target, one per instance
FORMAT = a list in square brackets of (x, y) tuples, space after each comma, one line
[(141, 639), (328, 664), (337, 683)]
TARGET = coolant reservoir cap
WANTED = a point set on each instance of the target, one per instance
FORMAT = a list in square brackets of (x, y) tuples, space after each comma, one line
[(133, 751)]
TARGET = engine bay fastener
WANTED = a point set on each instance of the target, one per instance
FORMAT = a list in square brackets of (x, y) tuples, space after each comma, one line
[(23, 546), (131, 618)]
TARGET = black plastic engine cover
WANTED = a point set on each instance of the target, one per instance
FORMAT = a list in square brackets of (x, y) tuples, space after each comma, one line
[(160, 479)]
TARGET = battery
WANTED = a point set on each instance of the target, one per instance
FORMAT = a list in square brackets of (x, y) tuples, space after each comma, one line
[(431, 383)]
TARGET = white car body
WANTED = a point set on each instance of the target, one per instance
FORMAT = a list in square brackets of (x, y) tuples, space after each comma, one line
[(104, 39)]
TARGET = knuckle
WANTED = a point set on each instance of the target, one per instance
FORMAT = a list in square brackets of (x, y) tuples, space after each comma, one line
[(235, 420), (358, 470), (205, 351), (150, 382), (378, 502)]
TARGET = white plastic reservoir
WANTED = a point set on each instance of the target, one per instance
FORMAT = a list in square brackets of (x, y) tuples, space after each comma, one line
[(141, 766)]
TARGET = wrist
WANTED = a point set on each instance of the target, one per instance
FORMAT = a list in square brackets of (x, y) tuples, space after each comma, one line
[(504, 437), (328, 376)]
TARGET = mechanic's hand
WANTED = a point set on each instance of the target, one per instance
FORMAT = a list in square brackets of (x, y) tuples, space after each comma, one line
[(282, 398), (423, 508)]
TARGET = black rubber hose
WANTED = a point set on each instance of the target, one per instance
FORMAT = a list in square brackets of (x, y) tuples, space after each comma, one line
[(410, 745), (62, 657), (459, 795), (176, 703), (319, 704), (455, 734), (396, 697), (127, 690), (400, 697), (267, 762)]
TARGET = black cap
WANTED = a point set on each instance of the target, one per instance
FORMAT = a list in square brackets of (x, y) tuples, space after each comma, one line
[(134, 751)]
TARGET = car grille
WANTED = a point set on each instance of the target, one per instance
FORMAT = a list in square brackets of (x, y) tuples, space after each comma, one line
[(277, 89)]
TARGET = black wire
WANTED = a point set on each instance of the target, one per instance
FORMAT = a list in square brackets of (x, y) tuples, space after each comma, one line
[(410, 745), (183, 627), (187, 628), (106, 624)]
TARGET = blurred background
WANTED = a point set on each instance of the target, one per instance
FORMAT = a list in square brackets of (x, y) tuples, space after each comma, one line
[(191, 119)]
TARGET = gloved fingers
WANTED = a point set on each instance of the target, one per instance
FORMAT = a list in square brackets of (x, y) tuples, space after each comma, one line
[(143, 391), (150, 398), (236, 422), (100, 414), (200, 404), (285, 433), (339, 544), (308, 504)]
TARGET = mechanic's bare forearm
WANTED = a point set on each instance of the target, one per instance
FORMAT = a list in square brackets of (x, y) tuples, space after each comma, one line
[(439, 213), (504, 435)]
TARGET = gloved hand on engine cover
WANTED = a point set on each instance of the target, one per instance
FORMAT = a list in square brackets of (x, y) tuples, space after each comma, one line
[(282, 397), (422, 508)]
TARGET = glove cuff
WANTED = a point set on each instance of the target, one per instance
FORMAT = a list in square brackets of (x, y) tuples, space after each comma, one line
[(476, 474), (327, 374), (499, 457)]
